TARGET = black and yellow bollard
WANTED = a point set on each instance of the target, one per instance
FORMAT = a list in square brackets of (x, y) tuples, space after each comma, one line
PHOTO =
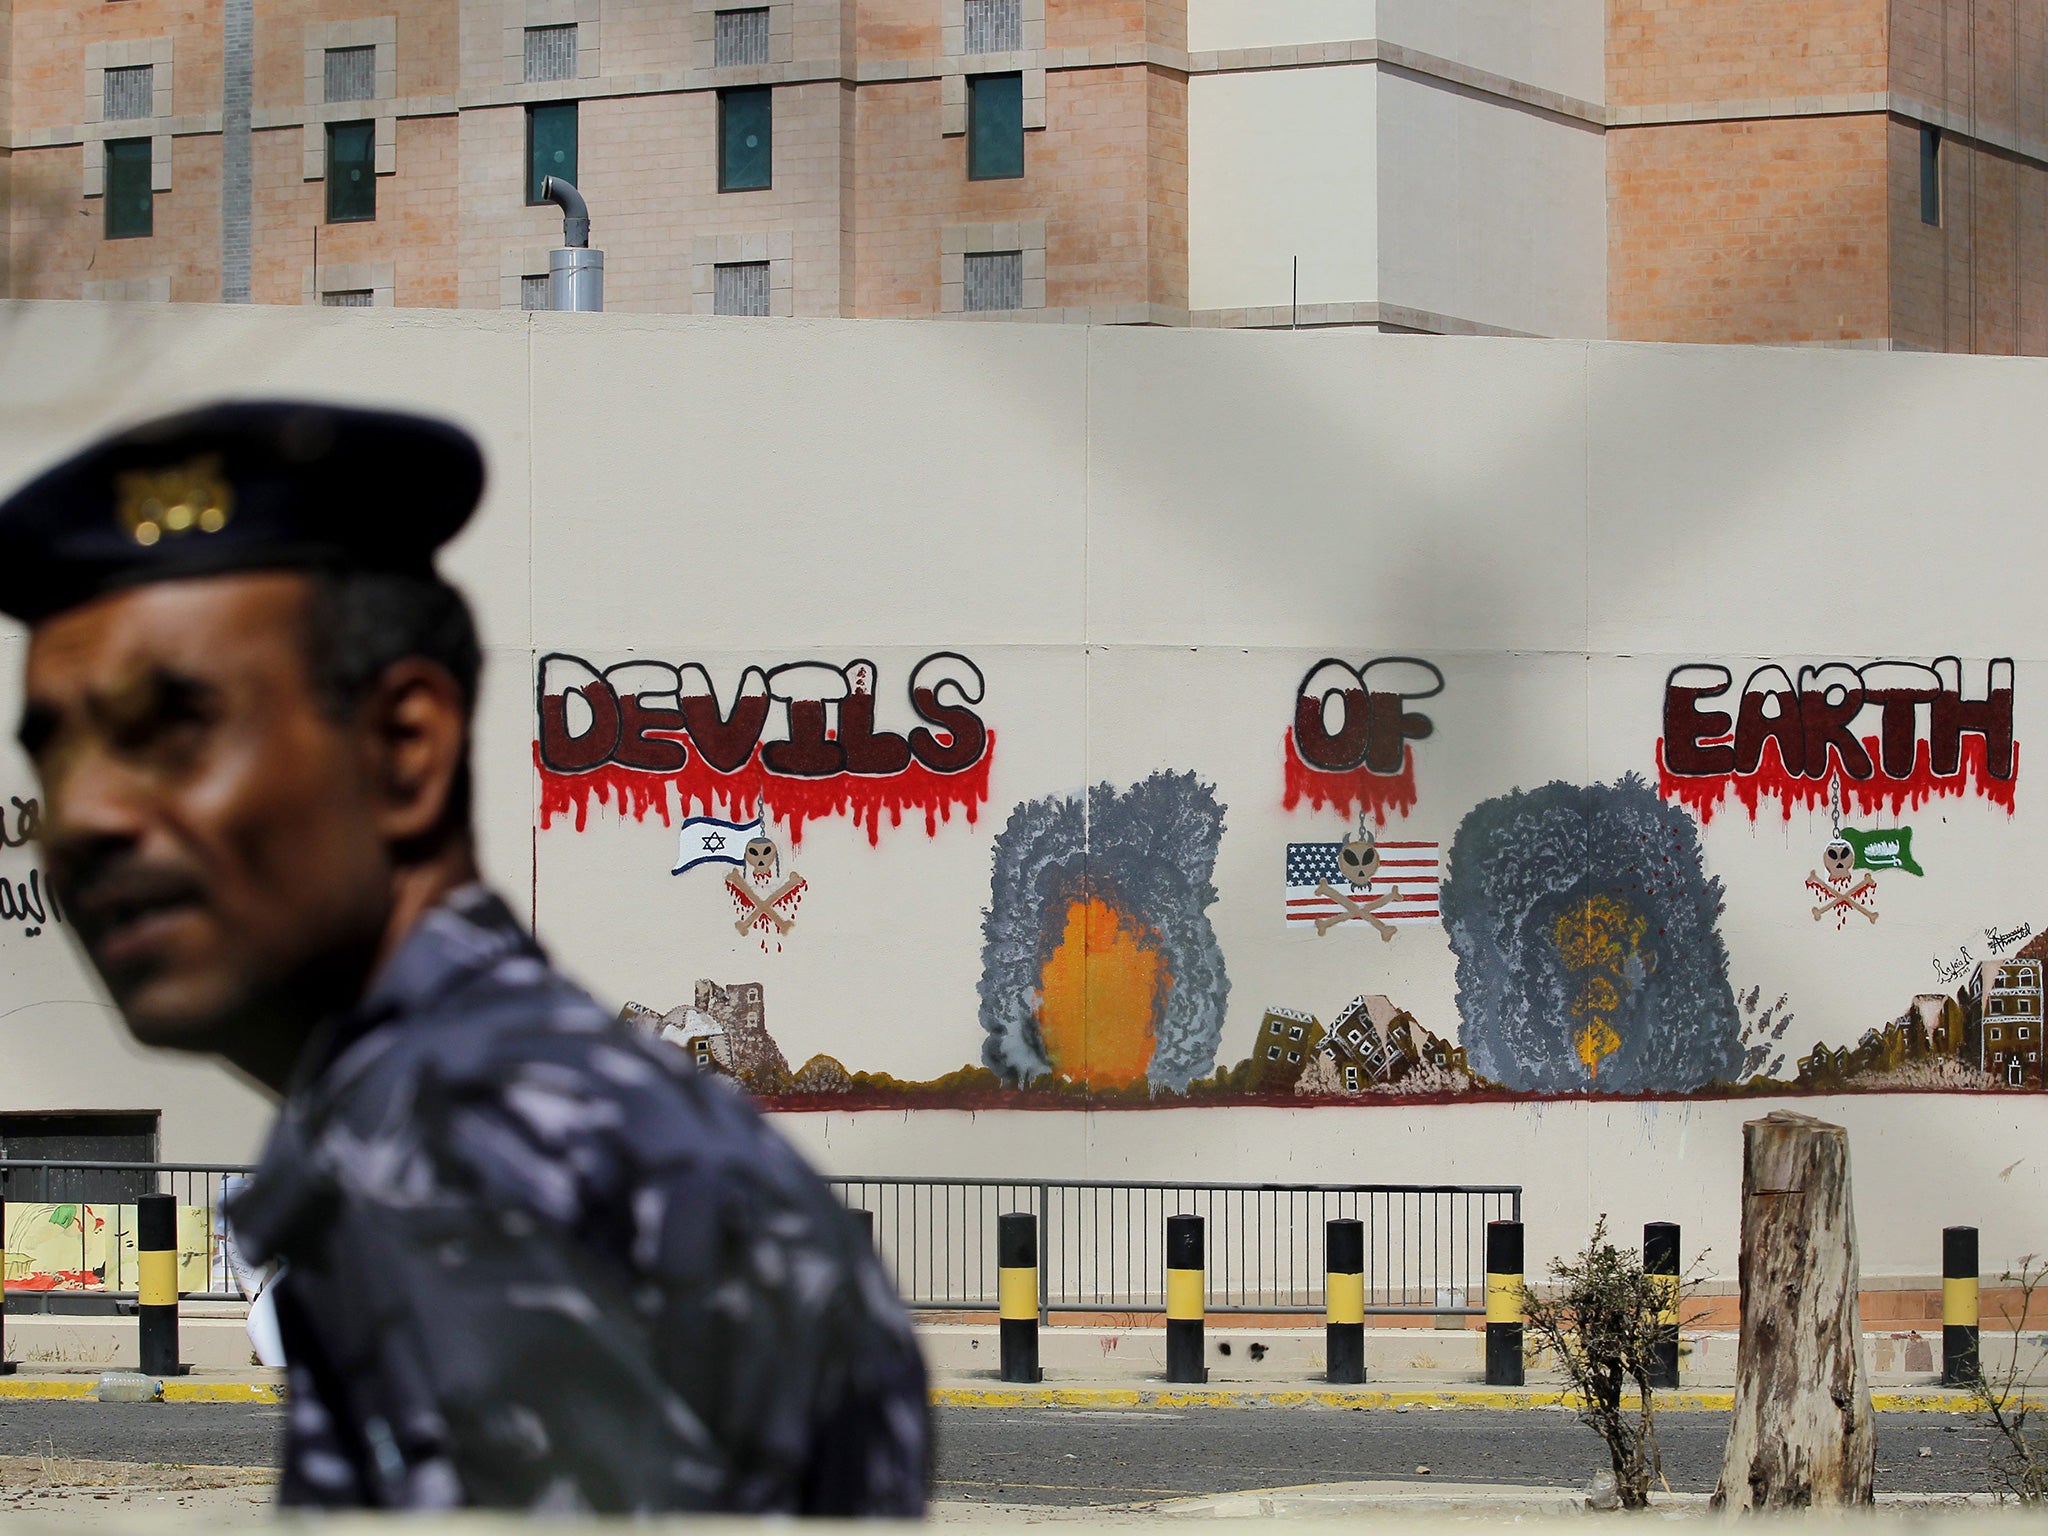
[(1660, 1265), (156, 1259), (1344, 1300), (1017, 1294), (1185, 1300), (1959, 1318), (6, 1365), (1504, 1304)]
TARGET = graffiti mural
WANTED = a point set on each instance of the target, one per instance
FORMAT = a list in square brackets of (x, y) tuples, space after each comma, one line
[(1099, 964), (1563, 940), (1799, 743), (1349, 748), (1378, 884), (1371, 1047), (1841, 890), (1587, 937), (651, 737), (76, 1246)]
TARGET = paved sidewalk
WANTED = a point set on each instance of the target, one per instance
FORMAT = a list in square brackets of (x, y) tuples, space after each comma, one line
[(1493, 1501), (1500, 1500)]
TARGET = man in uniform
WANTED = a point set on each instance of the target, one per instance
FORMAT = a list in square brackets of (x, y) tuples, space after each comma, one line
[(528, 1259)]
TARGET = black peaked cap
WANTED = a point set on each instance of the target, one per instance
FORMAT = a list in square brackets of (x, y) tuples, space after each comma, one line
[(242, 485)]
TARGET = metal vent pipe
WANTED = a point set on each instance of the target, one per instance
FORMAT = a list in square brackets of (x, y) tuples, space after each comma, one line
[(575, 272)]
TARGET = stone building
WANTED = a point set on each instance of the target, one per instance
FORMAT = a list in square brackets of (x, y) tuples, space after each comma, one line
[(1850, 172)]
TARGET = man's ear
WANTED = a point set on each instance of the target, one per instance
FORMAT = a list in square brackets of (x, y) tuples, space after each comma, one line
[(420, 734)]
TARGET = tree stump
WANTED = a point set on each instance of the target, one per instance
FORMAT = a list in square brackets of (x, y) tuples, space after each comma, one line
[(1802, 1433)]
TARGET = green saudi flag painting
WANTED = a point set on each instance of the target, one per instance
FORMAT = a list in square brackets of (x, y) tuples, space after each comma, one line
[(1888, 848)]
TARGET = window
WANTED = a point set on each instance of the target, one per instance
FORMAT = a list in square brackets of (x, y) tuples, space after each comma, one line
[(745, 139), (739, 288), (1272, 1053), (1294, 1055), (351, 172), (2023, 1033), (1351, 1077), (1294, 1033), (995, 26), (994, 280), (551, 53), (131, 213), (741, 38), (533, 291), (1930, 175), (351, 74), (346, 298), (550, 145), (995, 126), (128, 93)]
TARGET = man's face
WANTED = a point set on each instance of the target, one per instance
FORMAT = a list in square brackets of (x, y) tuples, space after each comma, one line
[(208, 827)]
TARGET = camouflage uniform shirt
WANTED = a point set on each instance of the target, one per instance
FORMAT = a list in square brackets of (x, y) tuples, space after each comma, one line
[(533, 1260)]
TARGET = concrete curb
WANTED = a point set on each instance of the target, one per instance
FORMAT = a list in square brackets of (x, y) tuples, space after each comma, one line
[(1368, 1397), (85, 1389)]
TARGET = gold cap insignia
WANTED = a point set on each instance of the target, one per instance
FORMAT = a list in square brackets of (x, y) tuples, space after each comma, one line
[(184, 499)]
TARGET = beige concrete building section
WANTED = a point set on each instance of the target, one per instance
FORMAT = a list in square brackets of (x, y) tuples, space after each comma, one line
[(1765, 173), (1718, 170), (869, 152)]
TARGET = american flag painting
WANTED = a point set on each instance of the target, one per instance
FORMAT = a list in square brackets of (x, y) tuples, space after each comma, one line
[(1408, 869)]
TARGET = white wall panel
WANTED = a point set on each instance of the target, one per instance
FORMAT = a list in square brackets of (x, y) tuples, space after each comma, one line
[(1146, 539)]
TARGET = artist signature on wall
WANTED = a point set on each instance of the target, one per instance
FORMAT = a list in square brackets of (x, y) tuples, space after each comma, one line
[(1997, 941)]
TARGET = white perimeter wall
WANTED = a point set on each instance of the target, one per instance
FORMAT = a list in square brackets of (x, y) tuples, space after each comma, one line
[(1397, 186), (1144, 537)]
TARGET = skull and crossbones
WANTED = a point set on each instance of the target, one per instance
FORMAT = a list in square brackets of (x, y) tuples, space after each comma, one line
[(1839, 891), (757, 896), (1358, 861)]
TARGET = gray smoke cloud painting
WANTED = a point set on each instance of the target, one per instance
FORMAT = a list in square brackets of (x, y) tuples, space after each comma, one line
[(1148, 852), (1588, 943)]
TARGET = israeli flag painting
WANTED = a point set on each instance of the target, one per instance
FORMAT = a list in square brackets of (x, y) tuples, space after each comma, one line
[(707, 840)]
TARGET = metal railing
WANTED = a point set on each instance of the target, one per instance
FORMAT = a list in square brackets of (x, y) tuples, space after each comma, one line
[(109, 1189), (1101, 1244)]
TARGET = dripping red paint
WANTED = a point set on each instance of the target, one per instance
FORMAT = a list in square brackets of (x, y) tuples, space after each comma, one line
[(1704, 795), (1381, 795), (699, 789)]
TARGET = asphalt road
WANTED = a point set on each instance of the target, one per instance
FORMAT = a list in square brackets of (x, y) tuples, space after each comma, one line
[(1074, 1456), (182, 1434)]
